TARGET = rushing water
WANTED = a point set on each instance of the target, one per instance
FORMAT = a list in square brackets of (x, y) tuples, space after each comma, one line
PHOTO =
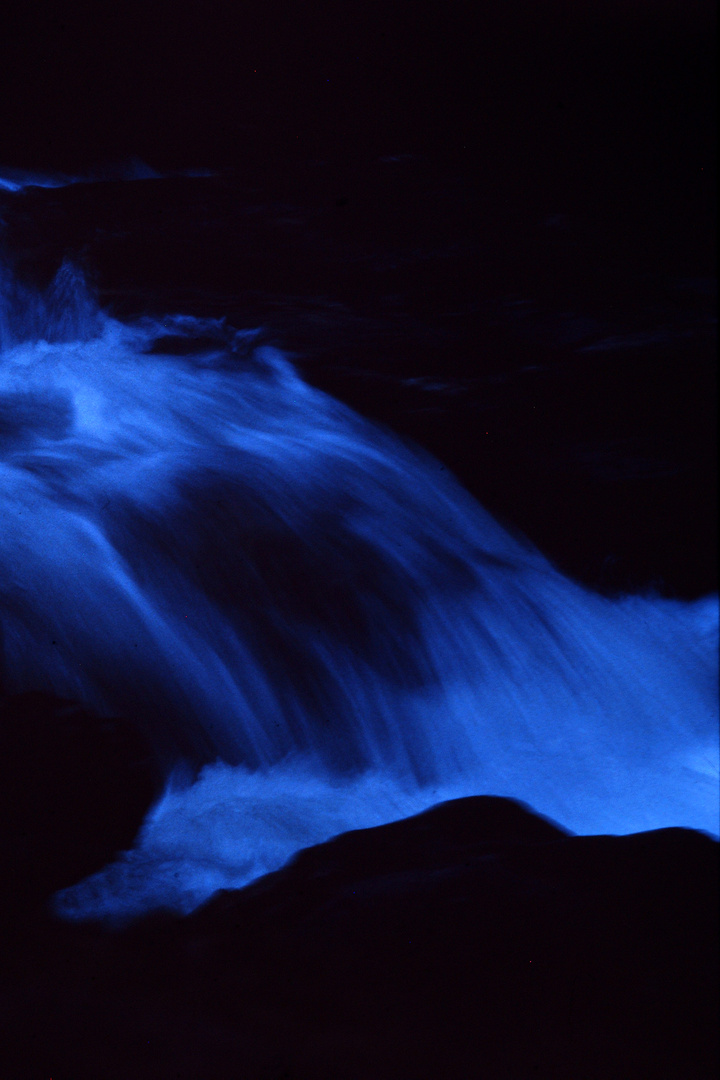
[(309, 610)]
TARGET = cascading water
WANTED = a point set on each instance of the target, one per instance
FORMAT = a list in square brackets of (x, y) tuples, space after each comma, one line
[(287, 595)]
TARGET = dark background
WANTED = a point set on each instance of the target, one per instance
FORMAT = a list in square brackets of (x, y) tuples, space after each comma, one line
[(489, 225), (611, 89)]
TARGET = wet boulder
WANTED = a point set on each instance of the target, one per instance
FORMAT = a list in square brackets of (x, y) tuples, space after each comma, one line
[(74, 792)]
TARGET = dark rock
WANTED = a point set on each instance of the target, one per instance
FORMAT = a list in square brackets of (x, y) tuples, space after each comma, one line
[(74, 792), (475, 940)]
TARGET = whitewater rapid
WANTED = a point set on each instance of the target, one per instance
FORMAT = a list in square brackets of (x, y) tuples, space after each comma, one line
[(316, 626)]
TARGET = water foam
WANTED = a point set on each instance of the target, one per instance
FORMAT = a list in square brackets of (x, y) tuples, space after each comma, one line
[(316, 614)]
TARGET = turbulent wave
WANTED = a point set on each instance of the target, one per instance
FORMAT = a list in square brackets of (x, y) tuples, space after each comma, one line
[(312, 612)]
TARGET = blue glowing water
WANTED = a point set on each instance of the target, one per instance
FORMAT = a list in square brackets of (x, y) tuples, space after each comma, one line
[(19, 179), (277, 589)]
